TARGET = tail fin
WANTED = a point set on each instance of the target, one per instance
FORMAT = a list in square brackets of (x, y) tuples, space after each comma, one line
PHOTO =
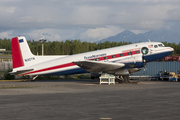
[(21, 53)]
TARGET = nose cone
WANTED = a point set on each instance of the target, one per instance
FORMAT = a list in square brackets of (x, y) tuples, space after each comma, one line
[(171, 49)]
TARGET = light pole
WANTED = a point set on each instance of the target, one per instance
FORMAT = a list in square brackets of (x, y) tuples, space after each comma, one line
[(43, 40)]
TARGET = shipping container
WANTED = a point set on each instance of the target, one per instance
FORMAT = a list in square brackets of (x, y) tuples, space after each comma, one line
[(152, 69)]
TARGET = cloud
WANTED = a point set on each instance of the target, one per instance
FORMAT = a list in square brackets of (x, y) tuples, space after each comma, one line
[(89, 15), (43, 33), (100, 33), (6, 34), (84, 19), (7, 10)]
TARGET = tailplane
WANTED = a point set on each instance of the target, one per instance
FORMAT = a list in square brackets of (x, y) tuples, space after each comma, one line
[(21, 53)]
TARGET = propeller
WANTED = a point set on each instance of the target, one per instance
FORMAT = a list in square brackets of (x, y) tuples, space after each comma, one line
[(144, 62), (144, 51)]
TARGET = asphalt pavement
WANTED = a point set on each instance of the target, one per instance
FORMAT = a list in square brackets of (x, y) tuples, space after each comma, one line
[(87, 100)]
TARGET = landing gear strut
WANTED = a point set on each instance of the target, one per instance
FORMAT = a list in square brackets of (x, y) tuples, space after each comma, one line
[(123, 79), (126, 79)]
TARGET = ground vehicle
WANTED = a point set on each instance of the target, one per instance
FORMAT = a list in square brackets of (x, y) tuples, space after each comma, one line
[(178, 75), (166, 75), (172, 58)]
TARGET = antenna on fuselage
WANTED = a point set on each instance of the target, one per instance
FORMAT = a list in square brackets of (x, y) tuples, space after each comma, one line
[(149, 40)]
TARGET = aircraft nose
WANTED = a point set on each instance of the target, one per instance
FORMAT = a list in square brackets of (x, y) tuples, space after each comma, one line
[(171, 49)]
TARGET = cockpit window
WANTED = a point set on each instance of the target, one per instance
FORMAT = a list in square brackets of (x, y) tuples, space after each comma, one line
[(160, 45), (155, 46)]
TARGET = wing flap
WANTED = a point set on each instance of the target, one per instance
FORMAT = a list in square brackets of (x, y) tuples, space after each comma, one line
[(98, 66)]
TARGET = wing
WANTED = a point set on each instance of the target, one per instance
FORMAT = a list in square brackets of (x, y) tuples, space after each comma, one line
[(98, 66)]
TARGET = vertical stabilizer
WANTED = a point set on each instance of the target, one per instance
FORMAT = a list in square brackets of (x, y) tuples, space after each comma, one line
[(21, 53), (16, 53)]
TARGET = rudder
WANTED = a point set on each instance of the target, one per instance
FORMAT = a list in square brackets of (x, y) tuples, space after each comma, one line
[(20, 52)]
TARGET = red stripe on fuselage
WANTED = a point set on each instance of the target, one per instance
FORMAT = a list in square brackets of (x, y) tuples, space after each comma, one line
[(118, 55), (51, 68), (16, 53), (72, 64)]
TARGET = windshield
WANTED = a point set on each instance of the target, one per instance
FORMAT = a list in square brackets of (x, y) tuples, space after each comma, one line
[(160, 45), (155, 46)]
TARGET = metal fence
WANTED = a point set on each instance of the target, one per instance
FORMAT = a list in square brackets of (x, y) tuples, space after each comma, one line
[(153, 68)]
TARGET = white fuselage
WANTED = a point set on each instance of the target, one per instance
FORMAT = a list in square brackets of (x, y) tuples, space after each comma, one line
[(131, 55)]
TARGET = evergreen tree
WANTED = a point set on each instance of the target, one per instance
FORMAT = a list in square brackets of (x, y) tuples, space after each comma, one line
[(70, 47)]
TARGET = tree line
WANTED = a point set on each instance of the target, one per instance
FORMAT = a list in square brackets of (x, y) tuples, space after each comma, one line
[(70, 47)]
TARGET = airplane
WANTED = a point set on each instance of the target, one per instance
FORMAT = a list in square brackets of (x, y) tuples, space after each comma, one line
[(119, 61)]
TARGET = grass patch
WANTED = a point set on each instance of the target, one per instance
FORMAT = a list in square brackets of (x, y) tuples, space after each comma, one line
[(2, 72), (14, 87)]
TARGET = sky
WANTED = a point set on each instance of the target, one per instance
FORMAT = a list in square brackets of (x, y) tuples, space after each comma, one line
[(87, 20)]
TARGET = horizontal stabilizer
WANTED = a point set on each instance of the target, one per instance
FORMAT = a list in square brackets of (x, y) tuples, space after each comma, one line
[(97, 66), (20, 72)]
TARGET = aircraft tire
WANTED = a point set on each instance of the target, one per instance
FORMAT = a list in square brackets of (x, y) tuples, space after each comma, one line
[(126, 79)]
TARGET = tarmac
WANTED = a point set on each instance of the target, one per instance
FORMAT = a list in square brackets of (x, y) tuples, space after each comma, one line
[(88, 100)]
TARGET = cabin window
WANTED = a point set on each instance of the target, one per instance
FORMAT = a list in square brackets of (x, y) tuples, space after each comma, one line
[(137, 52), (129, 53), (105, 57), (97, 59), (160, 45), (121, 55), (155, 46), (113, 56)]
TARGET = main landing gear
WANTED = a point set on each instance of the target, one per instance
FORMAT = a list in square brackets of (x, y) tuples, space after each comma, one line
[(123, 79)]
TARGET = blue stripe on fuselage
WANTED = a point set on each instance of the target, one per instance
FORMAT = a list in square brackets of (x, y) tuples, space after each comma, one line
[(148, 58), (70, 71), (132, 65), (80, 70), (156, 56)]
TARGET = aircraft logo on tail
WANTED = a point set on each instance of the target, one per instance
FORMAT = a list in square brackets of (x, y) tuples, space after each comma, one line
[(21, 40)]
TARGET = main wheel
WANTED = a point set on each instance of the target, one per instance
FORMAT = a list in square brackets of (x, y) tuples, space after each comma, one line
[(126, 79)]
